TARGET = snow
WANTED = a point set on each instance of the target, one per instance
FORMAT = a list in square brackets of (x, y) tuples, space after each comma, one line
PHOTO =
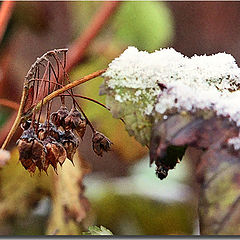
[(200, 82)]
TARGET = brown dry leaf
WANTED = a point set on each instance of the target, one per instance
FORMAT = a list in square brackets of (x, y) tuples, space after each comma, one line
[(69, 205), (217, 169)]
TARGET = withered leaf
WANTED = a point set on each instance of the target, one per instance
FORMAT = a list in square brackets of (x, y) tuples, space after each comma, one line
[(69, 204), (29, 100), (171, 137), (216, 168)]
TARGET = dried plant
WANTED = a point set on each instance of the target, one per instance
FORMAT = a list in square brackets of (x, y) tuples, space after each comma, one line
[(48, 137)]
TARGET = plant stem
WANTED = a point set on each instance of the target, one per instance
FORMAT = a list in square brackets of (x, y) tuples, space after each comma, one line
[(79, 46), (67, 87), (5, 14), (9, 103), (17, 120)]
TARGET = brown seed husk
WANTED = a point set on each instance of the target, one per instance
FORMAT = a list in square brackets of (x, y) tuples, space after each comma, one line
[(55, 152), (73, 119), (70, 143), (58, 118), (81, 128), (100, 143), (25, 155), (38, 154)]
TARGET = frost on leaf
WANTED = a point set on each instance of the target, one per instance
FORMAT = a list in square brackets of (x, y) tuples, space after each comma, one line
[(146, 89)]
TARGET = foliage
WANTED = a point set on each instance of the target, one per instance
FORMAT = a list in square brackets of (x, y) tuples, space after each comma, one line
[(94, 230)]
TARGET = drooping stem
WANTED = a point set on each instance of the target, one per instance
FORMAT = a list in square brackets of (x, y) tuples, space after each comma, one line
[(69, 86), (79, 46)]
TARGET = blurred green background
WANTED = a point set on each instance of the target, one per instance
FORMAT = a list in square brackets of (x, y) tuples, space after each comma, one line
[(125, 195)]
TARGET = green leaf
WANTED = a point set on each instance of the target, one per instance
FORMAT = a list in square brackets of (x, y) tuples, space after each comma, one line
[(146, 25), (94, 230)]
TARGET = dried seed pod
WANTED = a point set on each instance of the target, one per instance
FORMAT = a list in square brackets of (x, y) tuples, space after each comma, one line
[(54, 132), (100, 143), (55, 153), (70, 143), (81, 128), (32, 151), (38, 153), (58, 118), (42, 133), (75, 121), (49, 129), (25, 155)]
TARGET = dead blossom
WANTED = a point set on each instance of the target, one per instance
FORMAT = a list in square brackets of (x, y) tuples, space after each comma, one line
[(51, 141), (100, 143)]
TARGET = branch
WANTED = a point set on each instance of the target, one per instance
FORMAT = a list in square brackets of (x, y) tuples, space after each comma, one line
[(5, 14), (77, 49)]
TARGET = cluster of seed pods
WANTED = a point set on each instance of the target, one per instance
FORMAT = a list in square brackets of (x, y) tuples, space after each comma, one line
[(52, 142)]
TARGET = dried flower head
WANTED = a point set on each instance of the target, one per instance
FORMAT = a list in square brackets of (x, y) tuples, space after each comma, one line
[(58, 118), (70, 143), (51, 142), (75, 121), (55, 153), (32, 151), (100, 143)]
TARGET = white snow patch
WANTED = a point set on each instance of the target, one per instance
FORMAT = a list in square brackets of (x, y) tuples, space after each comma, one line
[(200, 82)]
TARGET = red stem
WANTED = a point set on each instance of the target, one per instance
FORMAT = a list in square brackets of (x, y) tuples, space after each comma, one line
[(9, 103), (78, 48), (5, 14)]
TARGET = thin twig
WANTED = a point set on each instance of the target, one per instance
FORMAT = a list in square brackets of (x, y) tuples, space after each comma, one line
[(69, 86), (78, 48), (91, 100), (5, 14), (9, 104)]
